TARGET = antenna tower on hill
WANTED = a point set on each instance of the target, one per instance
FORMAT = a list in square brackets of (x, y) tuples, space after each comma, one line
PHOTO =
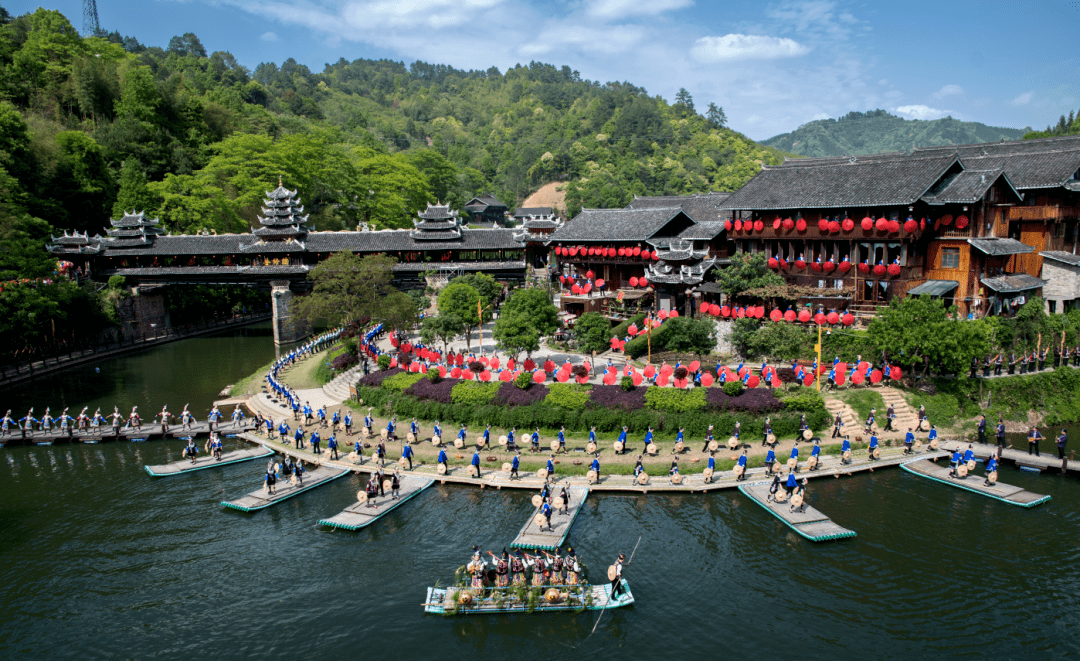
[(90, 26)]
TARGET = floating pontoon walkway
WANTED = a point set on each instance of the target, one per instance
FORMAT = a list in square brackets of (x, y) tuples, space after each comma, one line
[(810, 523), (444, 601), (360, 515), (531, 537), (149, 431), (975, 483), (185, 465), (1021, 458), (257, 500)]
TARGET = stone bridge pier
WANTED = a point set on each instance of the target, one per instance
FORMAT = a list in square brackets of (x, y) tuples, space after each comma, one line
[(287, 329)]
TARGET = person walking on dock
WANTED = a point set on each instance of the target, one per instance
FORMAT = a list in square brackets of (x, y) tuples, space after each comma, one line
[(845, 451), (213, 418), (407, 454), (215, 447), (237, 416), (395, 486), (639, 467), (550, 468), (801, 490), (1033, 441), (270, 481), (999, 433), (380, 453), (441, 460), (1062, 439), (476, 464), (991, 467), (185, 419), (838, 423), (164, 417), (5, 424), (982, 429), (117, 420), (348, 423), (298, 437), (954, 462), (545, 509), (773, 488), (873, 447), (66, 423), (595, 467), (27, 423), (616, 580), (795, 456), (514, 467), (815, 452), (909, 441), (770, 459), (191, 451)]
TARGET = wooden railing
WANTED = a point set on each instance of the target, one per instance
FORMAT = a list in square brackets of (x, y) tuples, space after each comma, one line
[(1043, 213)]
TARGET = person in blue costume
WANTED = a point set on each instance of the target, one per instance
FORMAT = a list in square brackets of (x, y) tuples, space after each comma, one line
[(991, 467), (441, 459), (742, 462), (770, 459), (596, 468), (954, 462), (514, 467), (845, 451), (909, 441), (815, 452), (873, 446), (315, 440), (407, 454), (476, 463)]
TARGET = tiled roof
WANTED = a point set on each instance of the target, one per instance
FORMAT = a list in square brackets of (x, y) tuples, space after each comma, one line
[(483, 202), (289, 230), (703, 231), (176, 271), (522, 212), (615, 225), (968, 187), (1042, 163), (436, 212), (934, 288), (1063, 257), (701, 207), (540, 224), (270, 247), (464, 266), (280, 193), (435, 235), (1008, 284), (134, 220), (866, 181), (449, 223), (996, 247)]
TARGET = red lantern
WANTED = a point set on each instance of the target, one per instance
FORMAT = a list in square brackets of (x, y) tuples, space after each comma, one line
[(637, 251), (776, 224), (725, 311), (776, 315), (788, 224), (961, 222), (894, 270), (759, 225), (740, 313), (828, 267), (622, 252), (645, 254), (748, 226), (832, 318), (848, 225), (845, 266), (800, 225), (823, 225), (894, 226), (834, 226), (727, 225), (800, 264), (738, 225), (946, 220), (790, 316), (848, 319), (573, 252), (879, 270), (864, 268), (882, 225), (910, 226), (714, 309), (867, 224), (773, 264), (804, 316), (642, 282), (633, 282)]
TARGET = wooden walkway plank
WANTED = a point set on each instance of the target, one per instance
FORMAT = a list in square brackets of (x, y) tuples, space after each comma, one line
[(257, 500), (437, 602), (1006, 493), (360, 515), (185, 465), (1019, 457), (808, 522), (531, 537)]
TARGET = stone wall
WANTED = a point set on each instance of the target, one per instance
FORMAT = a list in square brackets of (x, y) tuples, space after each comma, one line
[(1063, 283), (143, 314)]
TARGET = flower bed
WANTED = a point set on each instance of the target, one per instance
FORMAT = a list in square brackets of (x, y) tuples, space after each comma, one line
[(510, 395), (471, 393), (614, 397), (755, 400), (568, 396), (436, 392), (375, 379)]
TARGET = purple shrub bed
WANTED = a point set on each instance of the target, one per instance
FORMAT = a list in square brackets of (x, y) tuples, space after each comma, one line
[(435, 392), (343, 362), (375, 379), (787, 375), (510, 395), (756, 400), (614, 397)]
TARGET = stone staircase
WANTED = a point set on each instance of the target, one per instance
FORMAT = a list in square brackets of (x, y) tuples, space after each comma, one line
[(852, 425), (905, 415), (338, 388)]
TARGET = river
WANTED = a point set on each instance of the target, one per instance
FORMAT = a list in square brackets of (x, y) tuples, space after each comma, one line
[(100, 560)]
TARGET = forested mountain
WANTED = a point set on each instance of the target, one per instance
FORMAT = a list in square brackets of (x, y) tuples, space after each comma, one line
[(92, 126), (878, 131), (1070, 126)]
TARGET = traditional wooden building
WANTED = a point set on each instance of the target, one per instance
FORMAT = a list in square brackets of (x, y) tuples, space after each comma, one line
[(487, 211)]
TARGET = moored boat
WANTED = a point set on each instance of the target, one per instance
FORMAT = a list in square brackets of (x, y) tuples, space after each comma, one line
[(463, 600)]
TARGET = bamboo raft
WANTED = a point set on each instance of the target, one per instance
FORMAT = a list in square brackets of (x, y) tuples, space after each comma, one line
[(446, 601), (531, 537), (1006, 493), (360, 515), (185, 465), (259, 499), (809, 523)]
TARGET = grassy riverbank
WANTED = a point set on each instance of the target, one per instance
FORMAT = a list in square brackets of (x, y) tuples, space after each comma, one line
[(250, 383)]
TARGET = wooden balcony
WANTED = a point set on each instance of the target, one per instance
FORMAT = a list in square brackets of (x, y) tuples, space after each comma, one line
[(1042, 213), (813, 233)]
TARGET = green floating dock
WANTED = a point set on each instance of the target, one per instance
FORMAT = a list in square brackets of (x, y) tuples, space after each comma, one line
[(360, 515), (1006, 493), (204, 462), (258, 500), (808, 522)]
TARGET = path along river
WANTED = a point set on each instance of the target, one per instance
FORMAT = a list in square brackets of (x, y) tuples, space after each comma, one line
[(101, 561)]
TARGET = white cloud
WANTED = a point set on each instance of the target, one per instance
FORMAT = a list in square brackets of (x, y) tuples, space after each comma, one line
[(429, 13), (1023, 99), (746, 47), (269, 36), (920, 112), (948, 90), (606, 39), (619, 9)]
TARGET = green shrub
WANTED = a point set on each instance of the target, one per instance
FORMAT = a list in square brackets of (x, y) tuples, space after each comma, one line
[(399, 382), (675, 400), (733, 388), (593, 332), (620, 330), (627, 383), (433, 375), (571, 396), (471, 393), (383, 362), (523, 380), (350, 345), (807, 400)]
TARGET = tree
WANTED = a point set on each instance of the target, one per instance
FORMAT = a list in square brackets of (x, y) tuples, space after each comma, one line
[(134, 195), (690, 335), (747, 271), (440, 328), (593, 332), (347, 288), (441, 175), (515, 333), (536, 305), (391, 190), (459, 301), (715, 116), (683, 99), (919, 327), (483, 283), (188, 44)]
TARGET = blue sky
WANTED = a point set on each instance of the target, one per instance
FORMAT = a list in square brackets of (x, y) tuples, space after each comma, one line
[(771, 65)]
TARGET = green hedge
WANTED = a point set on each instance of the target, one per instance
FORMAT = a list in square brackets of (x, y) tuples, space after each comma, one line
[(571, 396), (472, 393), (620, 330), (675, 400), (401, 381)]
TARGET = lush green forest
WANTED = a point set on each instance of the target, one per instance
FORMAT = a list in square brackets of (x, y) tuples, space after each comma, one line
[(1069, 126), (878, 131)]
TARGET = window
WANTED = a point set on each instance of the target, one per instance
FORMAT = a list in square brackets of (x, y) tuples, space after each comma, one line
[(838, 284), (821, 284), (950, 258)]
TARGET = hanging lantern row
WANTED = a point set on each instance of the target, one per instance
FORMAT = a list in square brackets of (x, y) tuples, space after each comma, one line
[(826, 226), (790, 316), (583, 252)]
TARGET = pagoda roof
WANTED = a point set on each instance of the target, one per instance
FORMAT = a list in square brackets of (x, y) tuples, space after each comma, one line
[(437, 212), (278, 230), (447, 224), (281, 193), (134, 220), (435, 235)]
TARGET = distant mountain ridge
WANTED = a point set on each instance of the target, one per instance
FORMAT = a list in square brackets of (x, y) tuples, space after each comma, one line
[(878, 131)]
